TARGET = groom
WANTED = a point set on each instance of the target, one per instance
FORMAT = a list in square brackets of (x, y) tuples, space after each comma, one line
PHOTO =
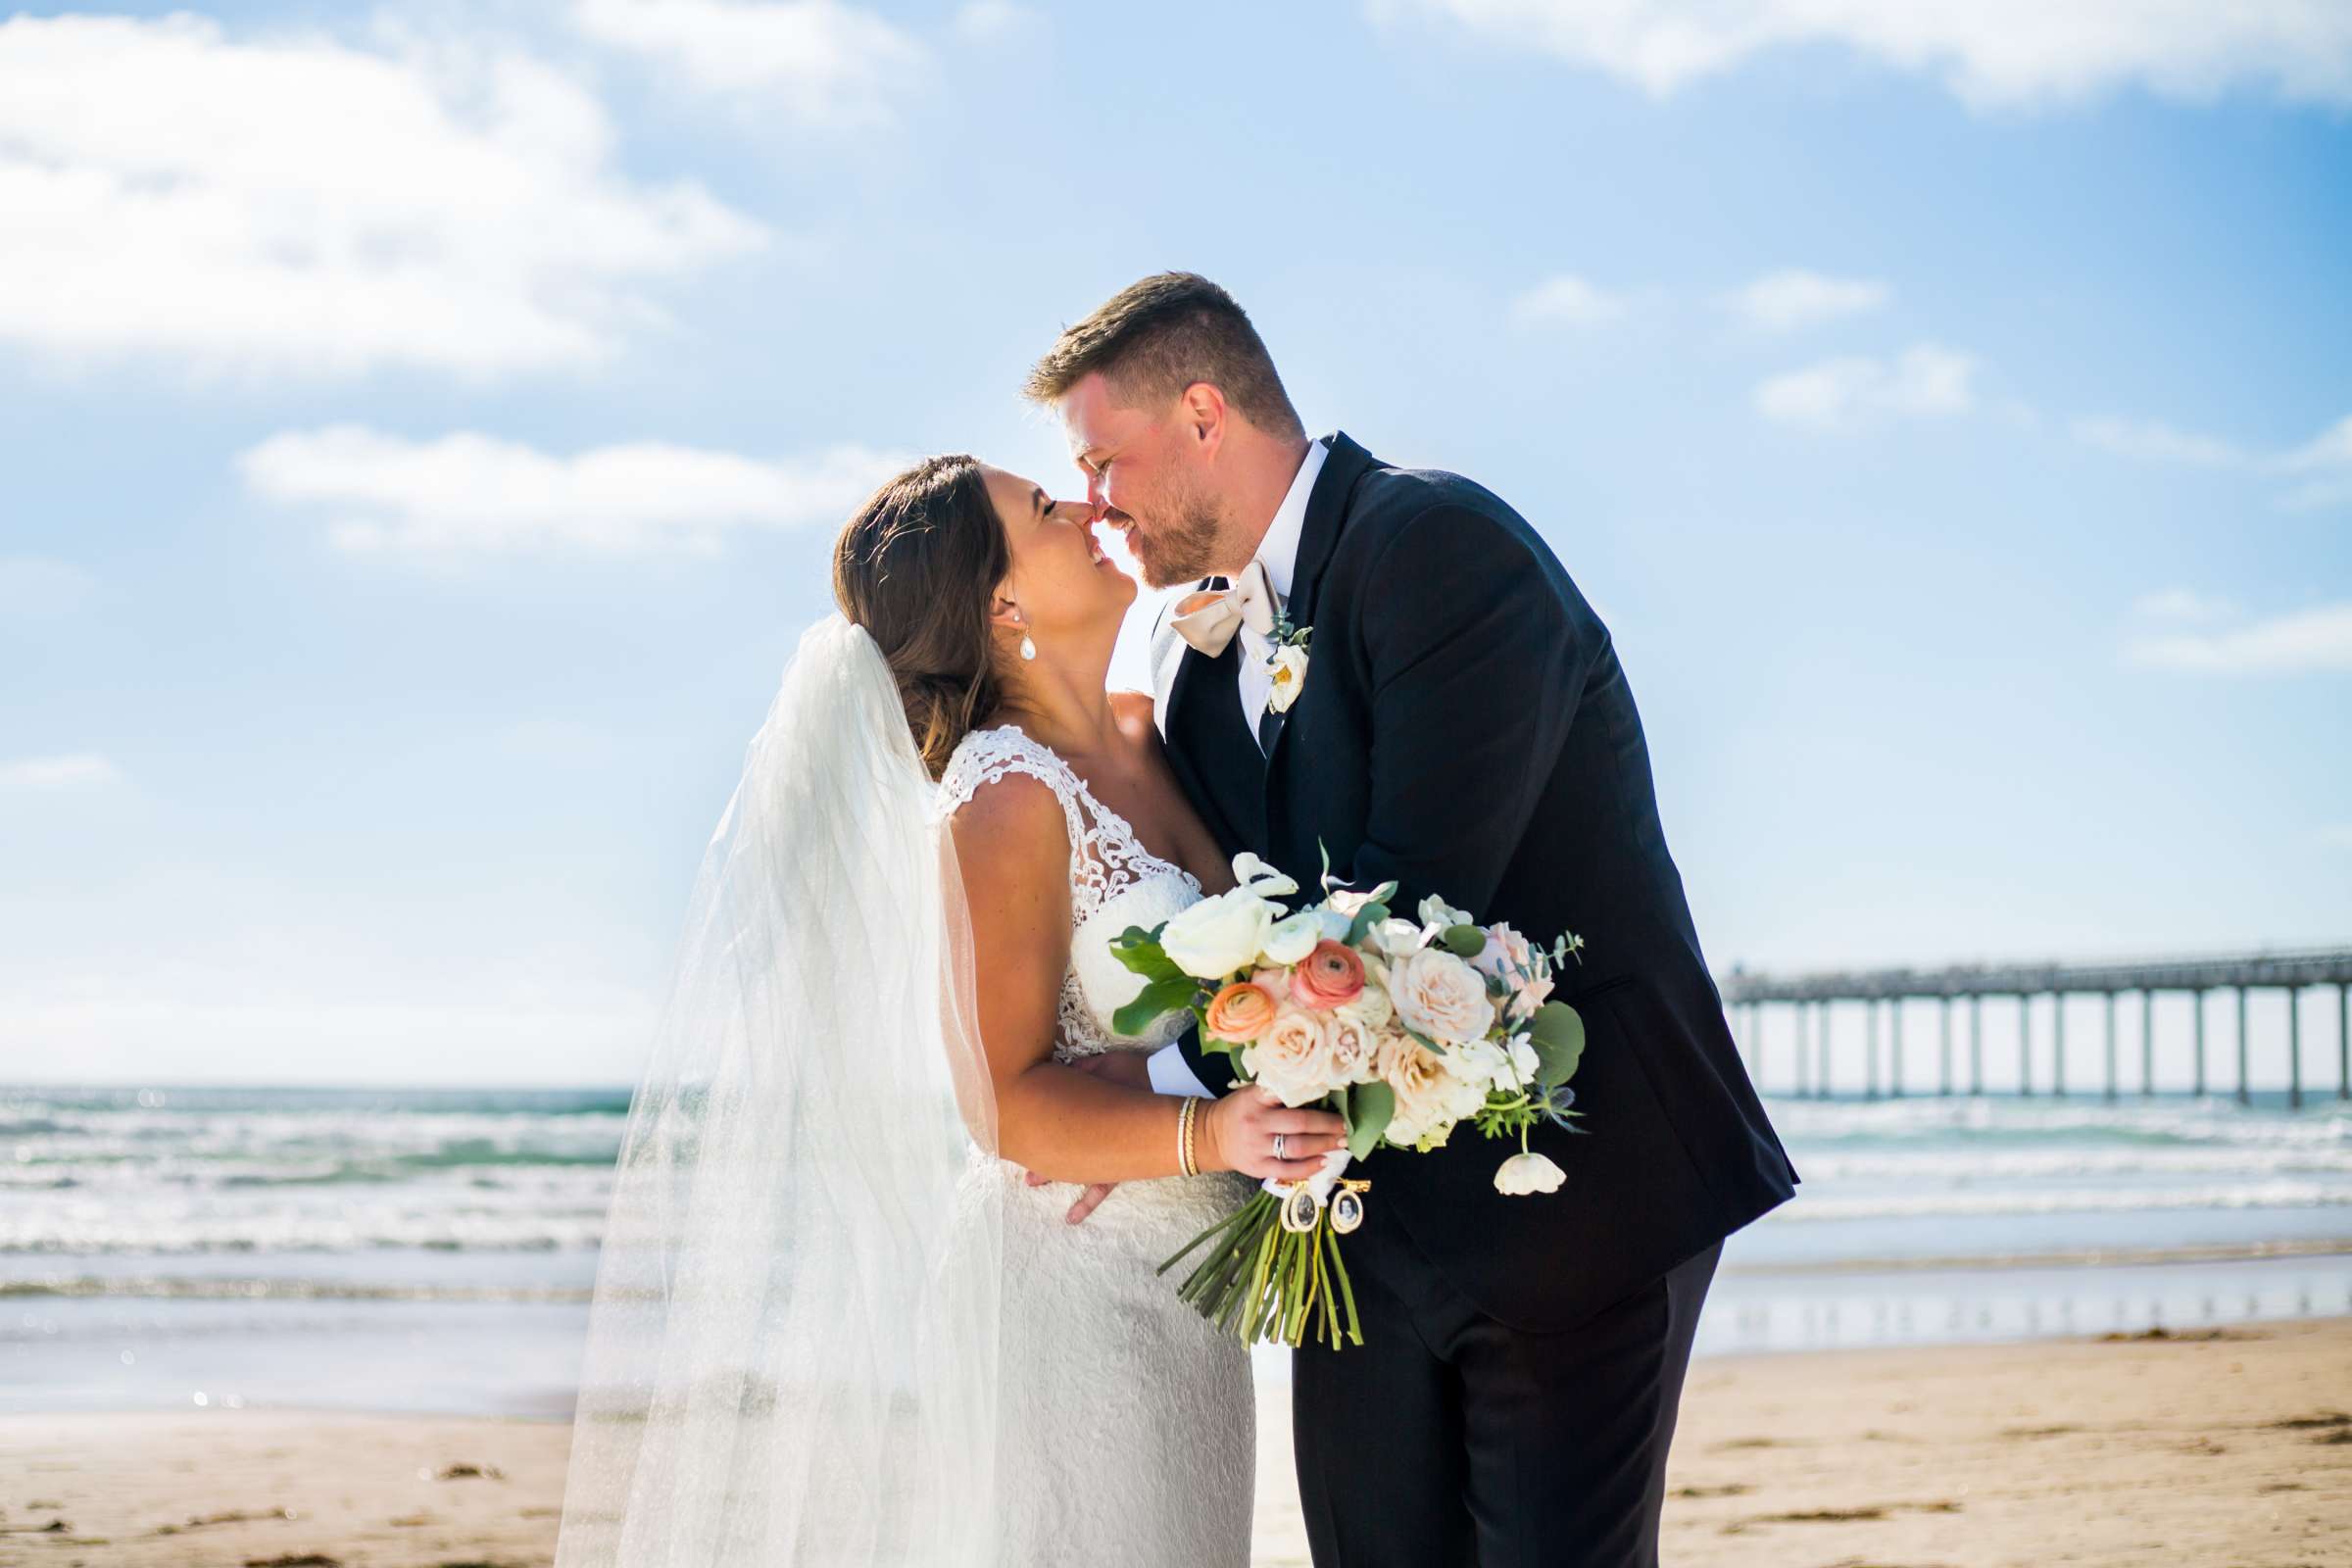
[(1462, 726)]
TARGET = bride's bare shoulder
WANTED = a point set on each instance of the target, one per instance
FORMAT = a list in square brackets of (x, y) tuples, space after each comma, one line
[(1010, 839)]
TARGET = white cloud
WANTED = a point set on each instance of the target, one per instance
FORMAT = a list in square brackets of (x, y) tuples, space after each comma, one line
[(2322, 467), (2184, 605), (1990, 52), (2154, 442), (982, 19), (299, 205), (1788, 301), (815, 60), (1927, 382), (2318, 472), (1567, 300), (37, 585), (74, 771), (2301, 642), (472, 494)]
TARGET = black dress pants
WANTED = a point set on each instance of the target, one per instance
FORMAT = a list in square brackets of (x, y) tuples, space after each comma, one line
[(1449, 1441)]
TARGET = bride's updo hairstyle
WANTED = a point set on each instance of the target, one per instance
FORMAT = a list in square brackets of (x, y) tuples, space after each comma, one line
[(917, 567)]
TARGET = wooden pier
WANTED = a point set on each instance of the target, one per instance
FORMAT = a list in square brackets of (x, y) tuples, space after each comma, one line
[(1814, 1002)]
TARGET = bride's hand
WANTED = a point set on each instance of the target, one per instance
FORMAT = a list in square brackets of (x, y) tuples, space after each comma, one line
[(1237, 1132)]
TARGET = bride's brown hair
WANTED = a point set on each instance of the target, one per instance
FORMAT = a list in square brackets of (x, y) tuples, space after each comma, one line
[(918, 567)]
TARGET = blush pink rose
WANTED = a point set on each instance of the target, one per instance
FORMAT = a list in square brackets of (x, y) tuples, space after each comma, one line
[(1510, 959), (1331, 976)]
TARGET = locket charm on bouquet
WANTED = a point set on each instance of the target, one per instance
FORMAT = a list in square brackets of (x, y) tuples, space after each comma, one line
[(1348, 1207), (1299, 1210)]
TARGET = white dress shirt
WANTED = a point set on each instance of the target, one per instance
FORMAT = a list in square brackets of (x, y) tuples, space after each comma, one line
[(1278, 553)]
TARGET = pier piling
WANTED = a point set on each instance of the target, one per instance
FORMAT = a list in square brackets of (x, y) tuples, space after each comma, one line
[(2245, 1092), (2295, 1049), (1814, 1001), (2110, 1095), (1975, 1045), (1943, 1077)]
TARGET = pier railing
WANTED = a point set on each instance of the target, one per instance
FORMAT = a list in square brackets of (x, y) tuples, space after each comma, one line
[(1886, 993)]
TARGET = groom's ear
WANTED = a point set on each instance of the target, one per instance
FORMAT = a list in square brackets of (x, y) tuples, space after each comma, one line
[(1201, 413)]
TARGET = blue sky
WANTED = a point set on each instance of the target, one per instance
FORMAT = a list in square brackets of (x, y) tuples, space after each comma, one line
[(423, 431)]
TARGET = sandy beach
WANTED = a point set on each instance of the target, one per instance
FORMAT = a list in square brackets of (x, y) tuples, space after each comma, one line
[(2228, 1447)]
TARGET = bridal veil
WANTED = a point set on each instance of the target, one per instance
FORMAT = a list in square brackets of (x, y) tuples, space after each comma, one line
[(792, 1352)]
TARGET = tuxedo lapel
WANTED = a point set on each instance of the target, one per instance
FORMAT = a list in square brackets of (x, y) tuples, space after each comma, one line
[(1326, 515), (1188, 662)]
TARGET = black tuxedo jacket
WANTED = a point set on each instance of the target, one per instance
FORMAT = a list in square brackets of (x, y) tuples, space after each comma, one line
[(1464, 728)]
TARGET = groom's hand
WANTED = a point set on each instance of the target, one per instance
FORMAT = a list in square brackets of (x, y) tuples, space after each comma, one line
[(1090, 1197)]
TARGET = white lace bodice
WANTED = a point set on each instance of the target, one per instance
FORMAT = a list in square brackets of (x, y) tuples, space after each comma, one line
[(1114, 883), (1109, 1372)]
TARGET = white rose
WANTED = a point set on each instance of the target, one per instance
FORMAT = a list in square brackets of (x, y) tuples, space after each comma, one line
[(1355, 1048), (1522, 1174), (1292, 940), (1217, 936), (1288, 666), (1371, 1007), (1482, 1062), (1440, 996), (1293, 1060), (1429, 1097)]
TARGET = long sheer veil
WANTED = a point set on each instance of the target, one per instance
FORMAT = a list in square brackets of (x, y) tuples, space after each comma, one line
[(792, 1352)]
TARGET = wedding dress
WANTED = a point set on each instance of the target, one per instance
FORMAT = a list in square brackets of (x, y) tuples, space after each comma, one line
[(1126, 1424), (831, 1326)]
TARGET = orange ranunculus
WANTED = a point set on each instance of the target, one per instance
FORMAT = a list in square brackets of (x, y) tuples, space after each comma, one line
[(1242, 1011), (1331, 976)]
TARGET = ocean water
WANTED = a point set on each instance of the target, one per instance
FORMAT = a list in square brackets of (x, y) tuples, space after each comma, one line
[(433, 1250)]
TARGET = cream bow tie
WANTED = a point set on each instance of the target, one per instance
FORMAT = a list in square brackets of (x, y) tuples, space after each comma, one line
[(1209, 619)]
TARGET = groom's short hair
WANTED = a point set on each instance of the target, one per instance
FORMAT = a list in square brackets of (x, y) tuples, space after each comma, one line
[(1153, 340)]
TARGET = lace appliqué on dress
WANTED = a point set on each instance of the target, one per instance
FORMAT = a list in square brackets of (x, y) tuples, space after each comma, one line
[(1107, 860)]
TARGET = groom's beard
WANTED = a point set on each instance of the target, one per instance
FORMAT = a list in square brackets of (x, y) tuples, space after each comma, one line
[(1183, 549)]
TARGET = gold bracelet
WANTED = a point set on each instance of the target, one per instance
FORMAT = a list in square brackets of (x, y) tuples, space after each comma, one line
[(1185, 1160)]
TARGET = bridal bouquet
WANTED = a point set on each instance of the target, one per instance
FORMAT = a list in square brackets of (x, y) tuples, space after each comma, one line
[(1405, 1029)]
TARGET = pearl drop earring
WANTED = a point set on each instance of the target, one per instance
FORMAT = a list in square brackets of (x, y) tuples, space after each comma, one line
[(1028, 646)]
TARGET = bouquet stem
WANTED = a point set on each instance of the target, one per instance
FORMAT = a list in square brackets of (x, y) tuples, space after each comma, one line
[(1264, 1284)]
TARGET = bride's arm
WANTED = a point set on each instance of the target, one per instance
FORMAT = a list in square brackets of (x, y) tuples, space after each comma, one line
[(1014, 855)]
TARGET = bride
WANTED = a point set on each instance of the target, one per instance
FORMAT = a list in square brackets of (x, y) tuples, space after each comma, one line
[(833, 1322)]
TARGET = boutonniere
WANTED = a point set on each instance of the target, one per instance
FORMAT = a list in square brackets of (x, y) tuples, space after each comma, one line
[(1287, 664)]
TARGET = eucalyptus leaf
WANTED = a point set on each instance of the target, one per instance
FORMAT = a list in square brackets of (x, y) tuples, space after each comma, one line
[(1557, 1033), (1465, 941), (1154, 1001), (1370, 915), (1371, 1106)]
